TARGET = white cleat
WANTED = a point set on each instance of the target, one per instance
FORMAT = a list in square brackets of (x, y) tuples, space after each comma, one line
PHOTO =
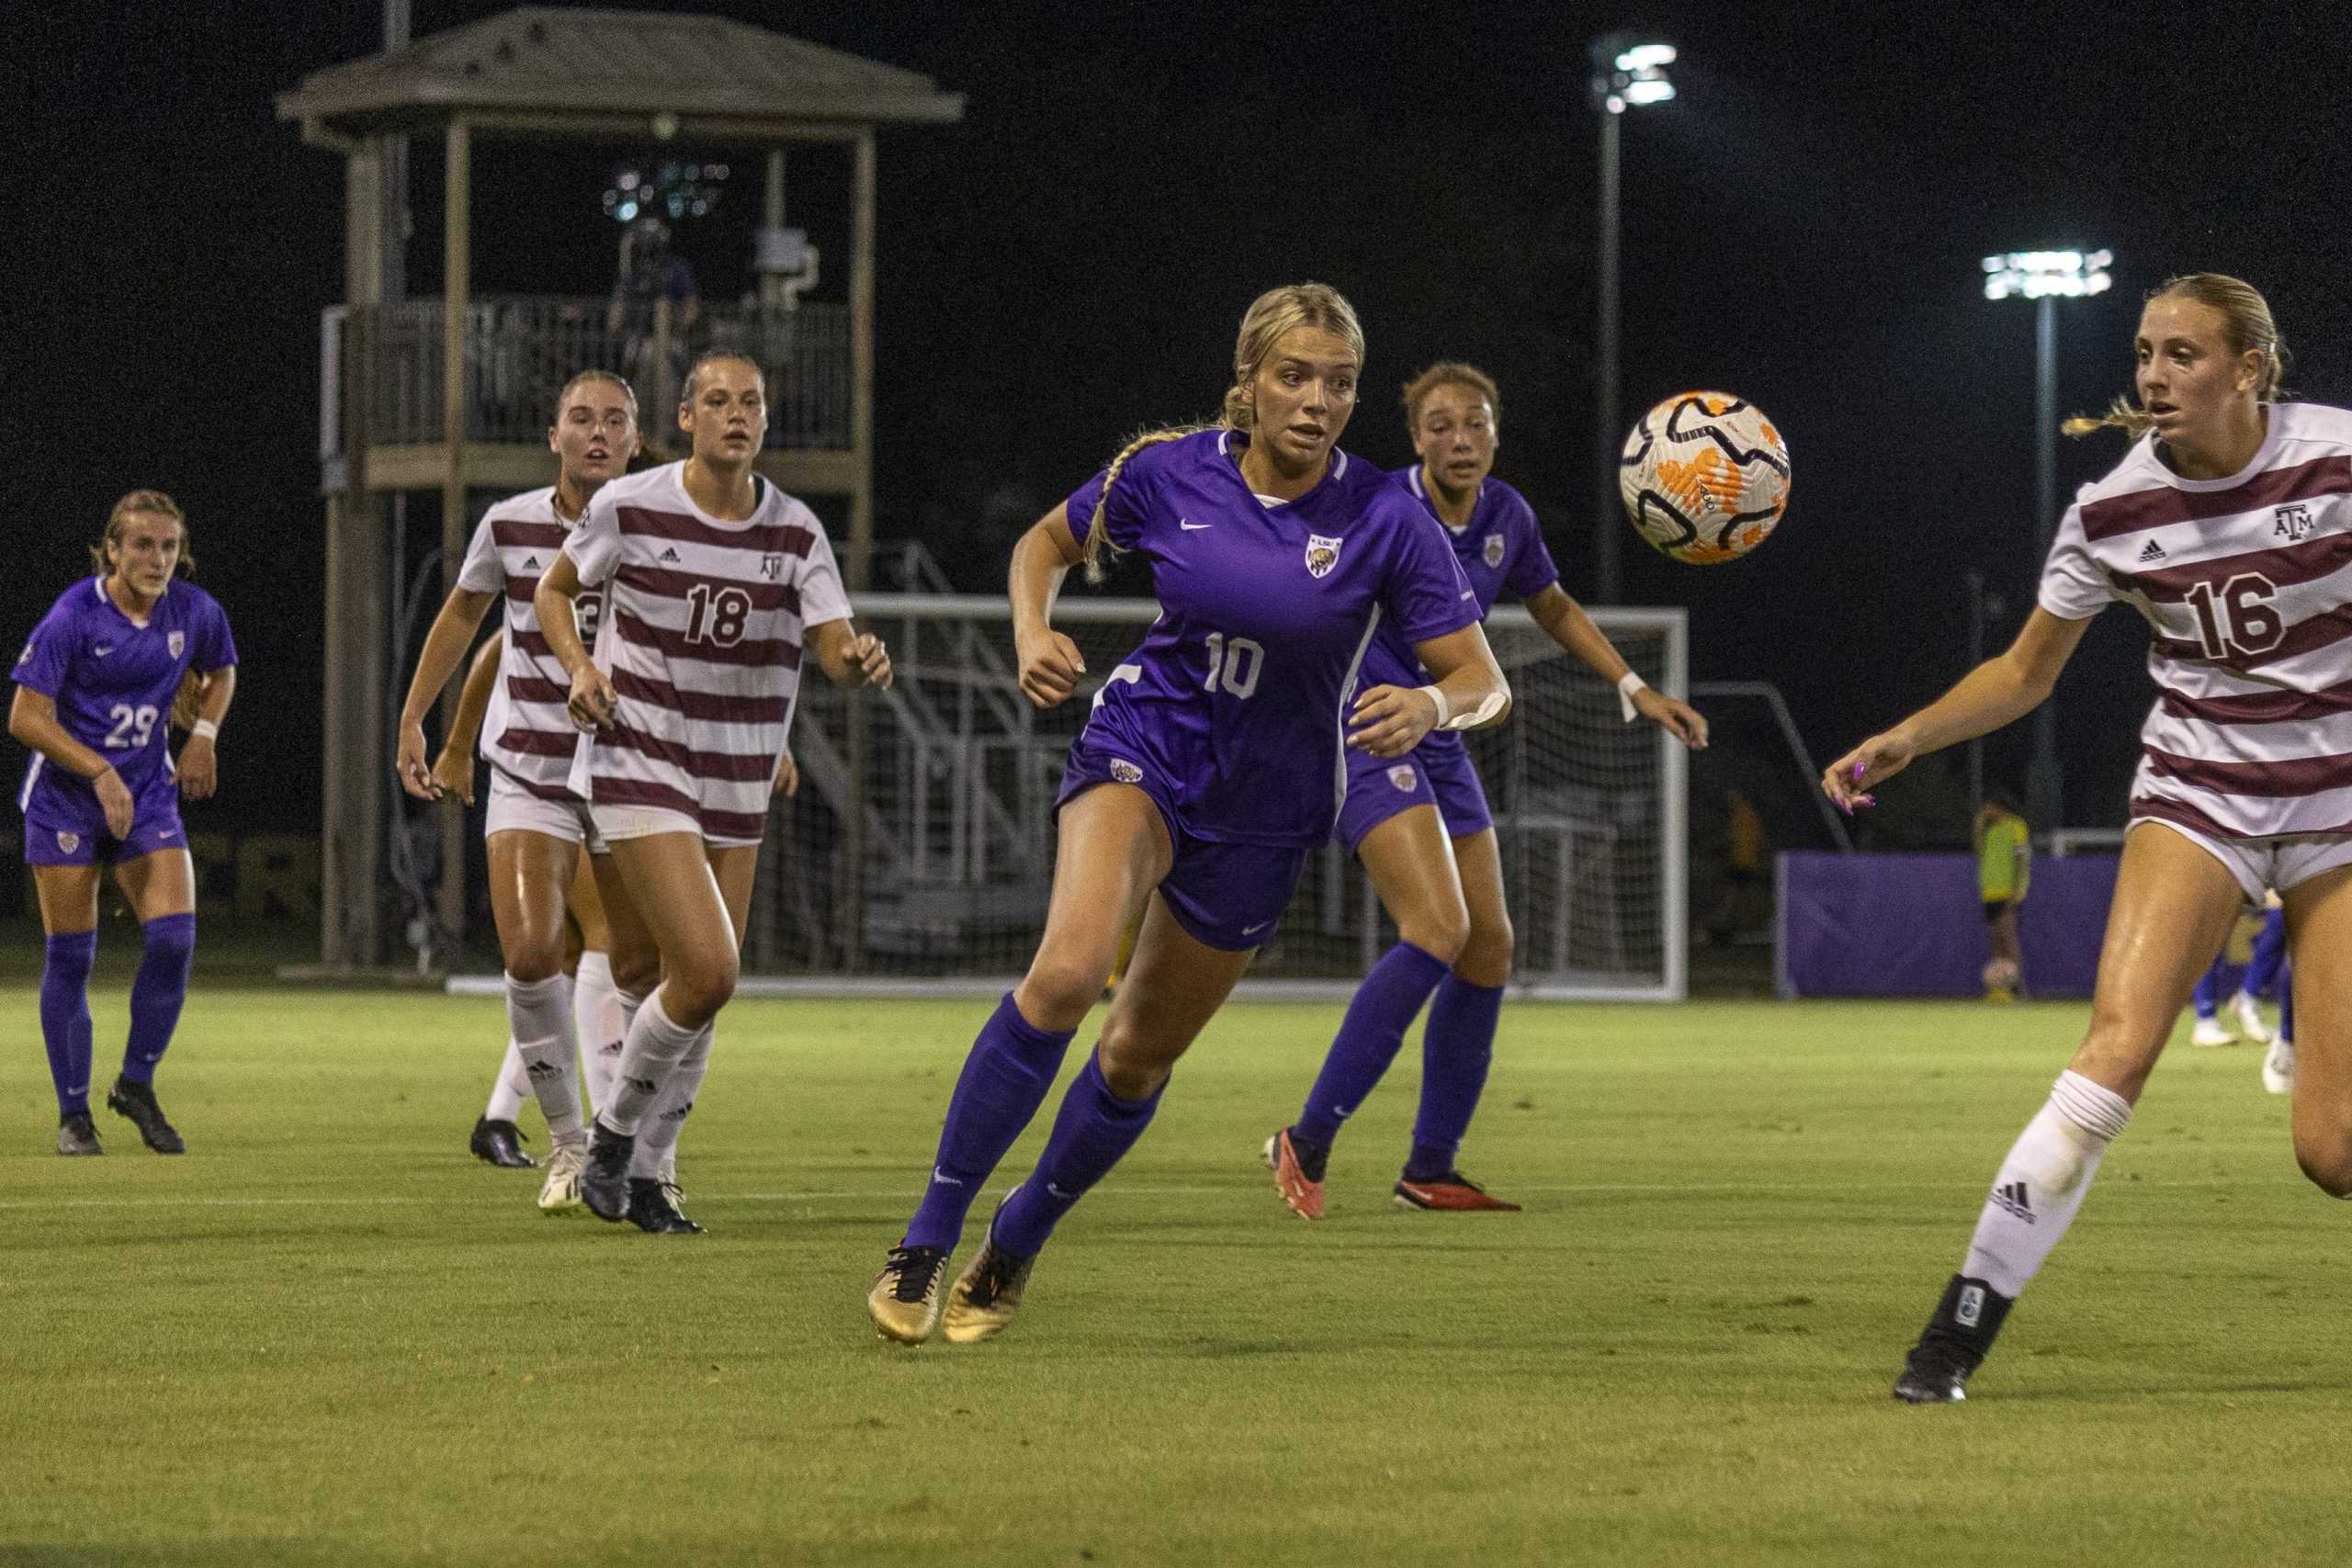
[(2279, 1067), (2250, 1025), (560, 1193), (2212, 1031)]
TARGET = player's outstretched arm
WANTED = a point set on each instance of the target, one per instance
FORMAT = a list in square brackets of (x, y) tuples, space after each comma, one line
[(1051, 664), (1564, 621), (445, 646), (850, 657), (33, 721), (2007, 686), (591, 700), (199, 759), (1469, 693)]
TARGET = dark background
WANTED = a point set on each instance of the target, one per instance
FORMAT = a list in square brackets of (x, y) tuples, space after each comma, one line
[(1802, 226)]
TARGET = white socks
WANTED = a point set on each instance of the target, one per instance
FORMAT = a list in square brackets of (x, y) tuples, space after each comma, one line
[(600, 1024), (2043, 1181), (655, 1158), (652, 1053), (510, 1089), (539, 1011)]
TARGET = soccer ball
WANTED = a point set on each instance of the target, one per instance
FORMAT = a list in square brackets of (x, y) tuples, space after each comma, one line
[(1705, 477), (2000, 975)]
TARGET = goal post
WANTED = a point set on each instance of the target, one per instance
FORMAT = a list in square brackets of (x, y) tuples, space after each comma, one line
[(953, 777)]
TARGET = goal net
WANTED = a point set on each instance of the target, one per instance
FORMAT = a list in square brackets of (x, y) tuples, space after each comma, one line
[(918, 853)]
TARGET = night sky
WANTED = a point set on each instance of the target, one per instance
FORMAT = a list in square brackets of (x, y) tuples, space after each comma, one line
[(1802, 226)]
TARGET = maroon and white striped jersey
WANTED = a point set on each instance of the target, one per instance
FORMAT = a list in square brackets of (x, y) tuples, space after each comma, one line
[(527, 734), (2246, 585), (702, 633)]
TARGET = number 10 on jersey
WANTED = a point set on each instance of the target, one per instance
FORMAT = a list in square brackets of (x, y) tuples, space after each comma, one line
[(1234, 664)]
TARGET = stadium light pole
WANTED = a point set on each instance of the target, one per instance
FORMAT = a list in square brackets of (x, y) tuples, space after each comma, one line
[(2045, 277), (1627, 72)]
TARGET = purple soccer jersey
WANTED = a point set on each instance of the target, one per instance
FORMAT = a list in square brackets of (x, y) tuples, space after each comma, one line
[(1500, 548), (113, 682), (1237, 696)]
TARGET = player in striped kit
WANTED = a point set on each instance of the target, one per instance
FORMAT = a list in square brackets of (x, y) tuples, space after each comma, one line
[(715, 581), (1420, 826), (95, 685), (1210, 765), (535, 826), (2228, 526)]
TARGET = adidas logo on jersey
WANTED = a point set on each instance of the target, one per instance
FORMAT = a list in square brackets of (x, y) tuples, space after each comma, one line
[(671, 555), (530, 563), (2013, 1198), (2154, 552)]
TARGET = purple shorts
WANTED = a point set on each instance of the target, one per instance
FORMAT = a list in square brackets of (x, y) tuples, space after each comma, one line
[(1441, 775), (1228, 897), (64, 824)]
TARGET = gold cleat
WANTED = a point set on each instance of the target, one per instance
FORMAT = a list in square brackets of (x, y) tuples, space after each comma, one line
[(986, 1295), (904, 1302)]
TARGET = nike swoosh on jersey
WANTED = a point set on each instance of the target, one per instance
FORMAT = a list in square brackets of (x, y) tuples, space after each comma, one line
[(102, 652), (1194, 527)]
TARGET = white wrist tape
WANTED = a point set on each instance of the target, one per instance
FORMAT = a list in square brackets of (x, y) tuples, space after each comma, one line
[(1489, 705), (203, 728), (1627, 684)]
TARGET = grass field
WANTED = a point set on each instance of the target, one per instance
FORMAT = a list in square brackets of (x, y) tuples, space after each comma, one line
[(328, 1336)]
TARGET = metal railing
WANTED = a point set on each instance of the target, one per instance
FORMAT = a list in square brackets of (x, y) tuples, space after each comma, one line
[(520, 350)]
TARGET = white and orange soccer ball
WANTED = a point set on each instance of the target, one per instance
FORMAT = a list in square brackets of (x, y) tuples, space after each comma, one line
[(1705, 477)]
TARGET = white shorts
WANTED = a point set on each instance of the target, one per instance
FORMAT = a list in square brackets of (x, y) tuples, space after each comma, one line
[(2262, 865), (618, 822), (515, 809)]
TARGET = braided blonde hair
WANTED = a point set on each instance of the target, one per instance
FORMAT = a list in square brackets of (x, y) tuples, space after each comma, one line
[(1272, 314), (2246, 320)]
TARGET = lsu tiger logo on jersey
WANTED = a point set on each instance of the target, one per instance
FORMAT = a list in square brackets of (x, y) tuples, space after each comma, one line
[(1322, 554), (1125, 771), (176, 642), (69, 842), (1403, 778), (1494, 550)]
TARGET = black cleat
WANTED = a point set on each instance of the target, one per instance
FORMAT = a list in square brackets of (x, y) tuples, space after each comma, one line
[(603, 1180), (500, 1143), (1954, 1343), (137, 1102), (653, 1207), (77, 1134)]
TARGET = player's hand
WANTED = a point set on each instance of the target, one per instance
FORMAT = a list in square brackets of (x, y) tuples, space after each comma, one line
[(868, 661), (1390, 720), (200, 768), (787, 778), (114, 799), (1873, 761), (1050, 667), (593, 699), (409, 762), (1680, 719), (453, 774), (187, 703)]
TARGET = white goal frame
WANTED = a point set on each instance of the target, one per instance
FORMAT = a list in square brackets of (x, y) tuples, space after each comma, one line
[(899, 617)]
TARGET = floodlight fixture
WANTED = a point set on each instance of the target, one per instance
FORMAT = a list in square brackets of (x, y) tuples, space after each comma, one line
[(1628, 72), (2037, 274)]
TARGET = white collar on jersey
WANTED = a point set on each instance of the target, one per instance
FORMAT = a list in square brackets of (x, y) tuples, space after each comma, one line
[(1414, 478), (1339, 465), (98, 583)]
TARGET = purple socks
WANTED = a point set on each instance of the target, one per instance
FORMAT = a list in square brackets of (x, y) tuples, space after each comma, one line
[(158, 993), (1455, 1052), (1093, 1130), (1369, 1035), (1004, 1081), (65, 1017)]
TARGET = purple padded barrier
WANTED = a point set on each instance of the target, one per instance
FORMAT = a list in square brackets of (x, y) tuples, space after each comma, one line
[(1910, 925)]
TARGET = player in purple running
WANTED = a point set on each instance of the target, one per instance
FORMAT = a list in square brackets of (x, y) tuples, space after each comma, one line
[(94, 688), (1210, 765), (1420, 826)]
